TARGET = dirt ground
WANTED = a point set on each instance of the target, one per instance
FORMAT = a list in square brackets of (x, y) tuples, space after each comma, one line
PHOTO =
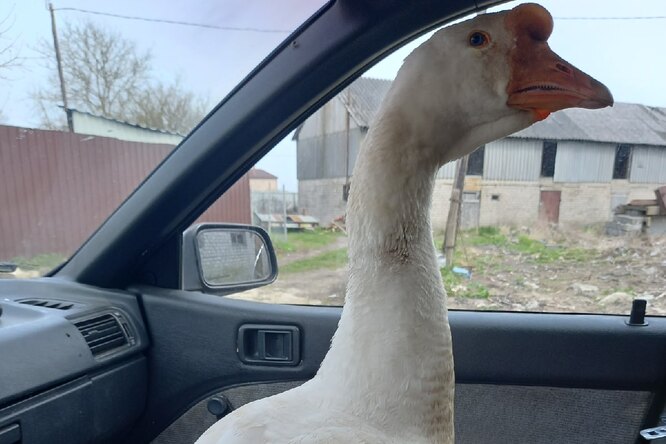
[(606, 279)]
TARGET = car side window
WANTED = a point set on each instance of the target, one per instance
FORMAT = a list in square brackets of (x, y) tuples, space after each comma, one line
[(568, 215)]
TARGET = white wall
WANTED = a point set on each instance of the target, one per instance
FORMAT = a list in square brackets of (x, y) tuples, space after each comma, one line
[(99, 126)]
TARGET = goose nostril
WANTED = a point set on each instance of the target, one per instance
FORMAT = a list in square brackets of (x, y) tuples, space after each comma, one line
[(565, 69)]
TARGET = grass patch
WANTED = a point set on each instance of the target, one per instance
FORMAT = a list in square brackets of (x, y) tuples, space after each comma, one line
[(45, 261), (461, 287), (485, 236), (304, 240), (538, 251), (329, 260), (543, 254)]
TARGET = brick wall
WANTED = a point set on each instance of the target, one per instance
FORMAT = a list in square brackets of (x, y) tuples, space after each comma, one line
[(502, 203), (441, 201), (585, 203), (322, 198), (635, 190), (591, 203), (517, 204), (514, 203)]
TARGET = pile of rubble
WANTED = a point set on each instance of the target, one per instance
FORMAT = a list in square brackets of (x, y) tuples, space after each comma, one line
[(644, 216)]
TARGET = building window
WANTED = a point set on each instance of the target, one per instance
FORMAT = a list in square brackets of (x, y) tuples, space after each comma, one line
[(238, 238), (345, 191), (622, 160), (548, 158), (475, 162)]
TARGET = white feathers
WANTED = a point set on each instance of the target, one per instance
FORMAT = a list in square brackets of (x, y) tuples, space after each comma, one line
[(388, 376)]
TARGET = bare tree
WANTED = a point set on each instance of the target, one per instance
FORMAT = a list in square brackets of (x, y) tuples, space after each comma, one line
[(168, 107), (106, 74), (9, 54), (103, 72)]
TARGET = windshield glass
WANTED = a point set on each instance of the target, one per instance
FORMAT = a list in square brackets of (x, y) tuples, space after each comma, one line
[(82, 126)]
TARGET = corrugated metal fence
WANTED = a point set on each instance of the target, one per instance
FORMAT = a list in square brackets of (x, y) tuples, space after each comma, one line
[(56, 188)]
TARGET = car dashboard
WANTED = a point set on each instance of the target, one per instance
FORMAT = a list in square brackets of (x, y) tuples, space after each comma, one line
[(69, 354)]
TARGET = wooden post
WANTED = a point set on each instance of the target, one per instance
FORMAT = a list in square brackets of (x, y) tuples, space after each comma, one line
[(454, 211), (284, 211), (345, 187)]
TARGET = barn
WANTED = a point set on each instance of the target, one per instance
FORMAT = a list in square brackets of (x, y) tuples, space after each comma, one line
[(573, 168)]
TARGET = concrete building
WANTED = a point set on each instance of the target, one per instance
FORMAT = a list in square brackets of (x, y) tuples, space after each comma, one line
[(262, 181), (573, 168)]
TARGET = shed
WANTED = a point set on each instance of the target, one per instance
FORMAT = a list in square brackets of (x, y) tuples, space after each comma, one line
[(574, 167), (95, 125)]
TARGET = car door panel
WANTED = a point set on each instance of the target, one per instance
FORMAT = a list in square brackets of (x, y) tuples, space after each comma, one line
[(194, 354), (485, 413), (521, 377)]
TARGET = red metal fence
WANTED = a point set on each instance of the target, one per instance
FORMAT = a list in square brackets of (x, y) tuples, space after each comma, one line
[(56, 188)]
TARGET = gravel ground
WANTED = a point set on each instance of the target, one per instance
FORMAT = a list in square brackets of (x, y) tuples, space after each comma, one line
[(611, 274)]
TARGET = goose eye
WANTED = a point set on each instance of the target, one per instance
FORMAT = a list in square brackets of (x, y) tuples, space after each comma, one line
[(479, 39)]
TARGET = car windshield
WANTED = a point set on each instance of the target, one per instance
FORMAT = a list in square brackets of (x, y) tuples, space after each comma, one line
[(81, 127)]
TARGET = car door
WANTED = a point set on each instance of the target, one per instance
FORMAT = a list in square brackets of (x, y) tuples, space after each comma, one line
[(521, 376)]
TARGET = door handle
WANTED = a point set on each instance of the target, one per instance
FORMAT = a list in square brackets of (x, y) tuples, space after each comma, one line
[(269, 344)]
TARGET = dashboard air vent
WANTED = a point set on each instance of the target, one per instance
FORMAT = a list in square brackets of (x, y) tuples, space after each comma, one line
[(58, 305), (102, 333)]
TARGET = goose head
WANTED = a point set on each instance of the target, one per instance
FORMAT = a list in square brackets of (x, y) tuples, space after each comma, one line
[(485, 78)]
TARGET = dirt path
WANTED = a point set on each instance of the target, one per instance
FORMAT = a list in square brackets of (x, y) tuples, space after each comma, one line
[(287, 258)]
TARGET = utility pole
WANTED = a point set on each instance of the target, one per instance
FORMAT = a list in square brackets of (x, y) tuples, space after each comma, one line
[(454, 211), (59, 62)]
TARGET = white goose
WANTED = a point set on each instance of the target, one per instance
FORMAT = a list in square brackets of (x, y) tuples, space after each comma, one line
[(388, 377)]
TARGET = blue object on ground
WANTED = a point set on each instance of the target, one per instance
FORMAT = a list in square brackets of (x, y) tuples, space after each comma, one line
[(463, 272)]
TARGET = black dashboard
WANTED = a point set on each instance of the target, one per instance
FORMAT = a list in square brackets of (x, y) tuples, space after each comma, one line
[(72, 362)]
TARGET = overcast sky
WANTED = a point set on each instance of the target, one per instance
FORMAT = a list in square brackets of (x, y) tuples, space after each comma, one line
[(627, 55)]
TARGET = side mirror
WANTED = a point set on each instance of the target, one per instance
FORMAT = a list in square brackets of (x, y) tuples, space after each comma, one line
[(226, 258)]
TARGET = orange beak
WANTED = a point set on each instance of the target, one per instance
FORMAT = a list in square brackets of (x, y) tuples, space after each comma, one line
[(542, 82)]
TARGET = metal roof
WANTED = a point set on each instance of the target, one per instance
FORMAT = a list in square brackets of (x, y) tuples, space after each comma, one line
[(304, 219), (278, 218), (258, 173), (628, 123), (363, 97), (124, 122)]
